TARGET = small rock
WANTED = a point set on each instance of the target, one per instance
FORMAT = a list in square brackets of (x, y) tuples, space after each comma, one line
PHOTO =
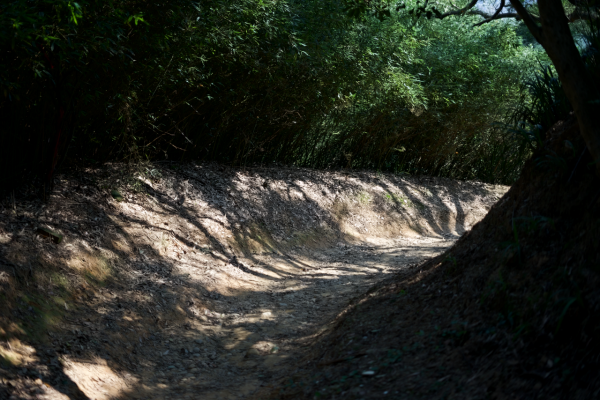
[(252, 353)]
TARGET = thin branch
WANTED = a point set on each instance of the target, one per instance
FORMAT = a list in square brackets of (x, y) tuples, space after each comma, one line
[(534, 28), (502, 2), (490, 18), (468, 9), (493, 17), (460, 11)]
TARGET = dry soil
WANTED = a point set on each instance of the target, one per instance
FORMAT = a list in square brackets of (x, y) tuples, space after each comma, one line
[(205, 281)]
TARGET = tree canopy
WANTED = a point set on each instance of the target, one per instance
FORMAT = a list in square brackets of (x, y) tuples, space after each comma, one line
[(327, 84), (548, 22)]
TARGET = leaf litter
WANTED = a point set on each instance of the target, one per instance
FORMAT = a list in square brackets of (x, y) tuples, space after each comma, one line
[(204, 279)]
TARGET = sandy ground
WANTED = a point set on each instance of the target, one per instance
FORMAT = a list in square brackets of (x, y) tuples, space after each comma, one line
[(205, 281)]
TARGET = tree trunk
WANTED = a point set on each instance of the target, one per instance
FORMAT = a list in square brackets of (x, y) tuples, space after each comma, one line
[(555, 36)]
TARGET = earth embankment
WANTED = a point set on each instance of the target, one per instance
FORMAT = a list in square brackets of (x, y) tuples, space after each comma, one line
[(203, 279)]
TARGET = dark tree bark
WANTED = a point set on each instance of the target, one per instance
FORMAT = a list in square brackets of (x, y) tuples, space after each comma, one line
[(555, 36)]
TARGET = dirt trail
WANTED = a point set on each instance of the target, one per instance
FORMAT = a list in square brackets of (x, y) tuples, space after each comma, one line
[(206, 282)]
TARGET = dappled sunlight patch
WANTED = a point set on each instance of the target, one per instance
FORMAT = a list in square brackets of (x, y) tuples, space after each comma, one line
[(97, 269), (16, 353), (97, 380), (121, 245), (9, 357), (190, 285), (253, 238), (5, 238)]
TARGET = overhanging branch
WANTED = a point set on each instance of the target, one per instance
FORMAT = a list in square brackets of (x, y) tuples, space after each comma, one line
[(469, 10), (495, 16), (490, 18), (460, 11), (529, 21)]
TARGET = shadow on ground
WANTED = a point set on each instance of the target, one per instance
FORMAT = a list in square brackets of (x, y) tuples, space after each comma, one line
[(205, 281)]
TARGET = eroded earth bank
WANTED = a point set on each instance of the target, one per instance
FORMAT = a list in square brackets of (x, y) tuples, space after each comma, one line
[(204, 281)]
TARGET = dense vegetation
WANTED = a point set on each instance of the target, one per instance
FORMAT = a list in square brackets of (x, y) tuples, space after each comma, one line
[(258, 81)]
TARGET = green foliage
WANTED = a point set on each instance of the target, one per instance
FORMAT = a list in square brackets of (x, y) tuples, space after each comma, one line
[(255, 81), (543, 103), (442, 93), (66, 76)]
